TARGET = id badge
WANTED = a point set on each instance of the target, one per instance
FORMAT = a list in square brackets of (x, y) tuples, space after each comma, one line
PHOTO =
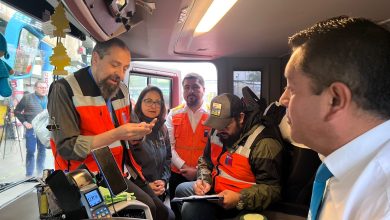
[(229, 159)]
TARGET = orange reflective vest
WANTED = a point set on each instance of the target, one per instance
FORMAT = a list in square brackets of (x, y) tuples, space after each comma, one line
[(233, 170), (189, 144), (95, 119)]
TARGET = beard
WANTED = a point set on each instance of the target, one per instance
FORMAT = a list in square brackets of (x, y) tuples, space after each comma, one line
[(107, 89), (192, 100), (228, 140)]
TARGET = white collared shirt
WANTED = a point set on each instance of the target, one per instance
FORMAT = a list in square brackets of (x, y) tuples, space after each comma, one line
[(360, 187), (194, 118)]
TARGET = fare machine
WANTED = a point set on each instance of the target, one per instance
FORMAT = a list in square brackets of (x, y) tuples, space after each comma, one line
[(90, 196), (93, 202), (79, 197)]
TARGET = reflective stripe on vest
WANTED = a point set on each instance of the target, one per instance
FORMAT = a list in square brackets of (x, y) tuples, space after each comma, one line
[(94, 119), (237, 175), (189, 144)]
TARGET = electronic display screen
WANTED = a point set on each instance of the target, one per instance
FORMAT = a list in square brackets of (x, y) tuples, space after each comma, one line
[(93, 198), (109, 170)]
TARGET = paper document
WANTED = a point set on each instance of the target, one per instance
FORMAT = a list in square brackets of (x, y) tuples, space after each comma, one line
[(211, 198)]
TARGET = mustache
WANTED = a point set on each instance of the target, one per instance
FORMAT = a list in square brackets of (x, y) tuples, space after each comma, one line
[(115, 78), (109, 90), (192, 96)]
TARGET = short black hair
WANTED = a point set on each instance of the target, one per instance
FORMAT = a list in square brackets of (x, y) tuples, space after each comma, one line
[(194, 76), (353, 51), (101, 48)]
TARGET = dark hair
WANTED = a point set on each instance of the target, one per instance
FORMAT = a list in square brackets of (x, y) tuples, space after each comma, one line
[(193, 76), (101, 48), (353, 51), (138, 109)]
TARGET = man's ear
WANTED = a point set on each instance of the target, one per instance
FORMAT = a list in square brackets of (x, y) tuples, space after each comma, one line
[(340, 98), (95, 58)]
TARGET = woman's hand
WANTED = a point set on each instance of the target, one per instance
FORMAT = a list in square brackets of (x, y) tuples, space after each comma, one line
[(158, 187)]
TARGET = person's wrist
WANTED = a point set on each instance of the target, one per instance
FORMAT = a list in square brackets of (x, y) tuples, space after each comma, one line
[(240, 204)]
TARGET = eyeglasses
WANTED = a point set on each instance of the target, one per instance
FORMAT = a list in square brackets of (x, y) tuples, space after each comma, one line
[(150, 102)]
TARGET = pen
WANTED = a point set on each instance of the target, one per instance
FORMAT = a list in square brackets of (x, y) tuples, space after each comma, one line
[(202, 179)]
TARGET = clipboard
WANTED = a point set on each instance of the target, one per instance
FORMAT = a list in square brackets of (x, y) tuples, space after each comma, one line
[(194, 198)]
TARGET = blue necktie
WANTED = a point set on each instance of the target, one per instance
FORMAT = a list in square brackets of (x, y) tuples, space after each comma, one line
[(323, 174)]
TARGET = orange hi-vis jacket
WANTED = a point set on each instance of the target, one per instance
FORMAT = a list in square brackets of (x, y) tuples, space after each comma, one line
[(189, 144), (94, 118), (233, 170)]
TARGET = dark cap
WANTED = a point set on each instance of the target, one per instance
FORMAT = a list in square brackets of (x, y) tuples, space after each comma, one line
[(222, 109)]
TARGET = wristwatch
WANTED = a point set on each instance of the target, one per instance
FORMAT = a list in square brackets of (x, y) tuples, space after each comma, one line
[(240, 205)]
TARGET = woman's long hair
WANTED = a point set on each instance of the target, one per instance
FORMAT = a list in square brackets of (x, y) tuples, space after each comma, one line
[(138, 108)]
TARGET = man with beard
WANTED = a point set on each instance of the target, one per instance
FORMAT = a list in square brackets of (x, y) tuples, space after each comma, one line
[(241, 165), (92, 108), (187, 133)]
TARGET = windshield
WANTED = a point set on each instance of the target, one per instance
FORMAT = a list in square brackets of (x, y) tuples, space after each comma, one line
[(29, 50)]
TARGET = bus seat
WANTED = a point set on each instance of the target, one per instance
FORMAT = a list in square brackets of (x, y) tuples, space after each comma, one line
[(299, 168)]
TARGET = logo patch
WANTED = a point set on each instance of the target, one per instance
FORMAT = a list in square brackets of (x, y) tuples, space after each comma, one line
[(216, 109)]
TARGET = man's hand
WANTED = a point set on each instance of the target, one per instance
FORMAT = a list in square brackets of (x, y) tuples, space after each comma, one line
[(201, 187), (158, 187), (135, 131), (27, 125), (188, 172), (230, 199)]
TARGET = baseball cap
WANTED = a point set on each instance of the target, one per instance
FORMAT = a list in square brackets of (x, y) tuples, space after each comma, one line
[(222, 109)]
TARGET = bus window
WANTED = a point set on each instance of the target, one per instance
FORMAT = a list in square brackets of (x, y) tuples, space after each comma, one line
[(165, 85), (136, 84), (29, 51), (168, 80), (252, 79), (26, 52), (206, 69)]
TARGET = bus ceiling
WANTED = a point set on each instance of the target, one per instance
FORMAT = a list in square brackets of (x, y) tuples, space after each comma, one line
[(166, 29)]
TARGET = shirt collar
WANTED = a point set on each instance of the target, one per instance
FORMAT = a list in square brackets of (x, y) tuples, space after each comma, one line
[(349, 156)]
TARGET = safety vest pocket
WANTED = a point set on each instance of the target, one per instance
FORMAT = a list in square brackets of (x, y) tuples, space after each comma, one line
[(177, 124)]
